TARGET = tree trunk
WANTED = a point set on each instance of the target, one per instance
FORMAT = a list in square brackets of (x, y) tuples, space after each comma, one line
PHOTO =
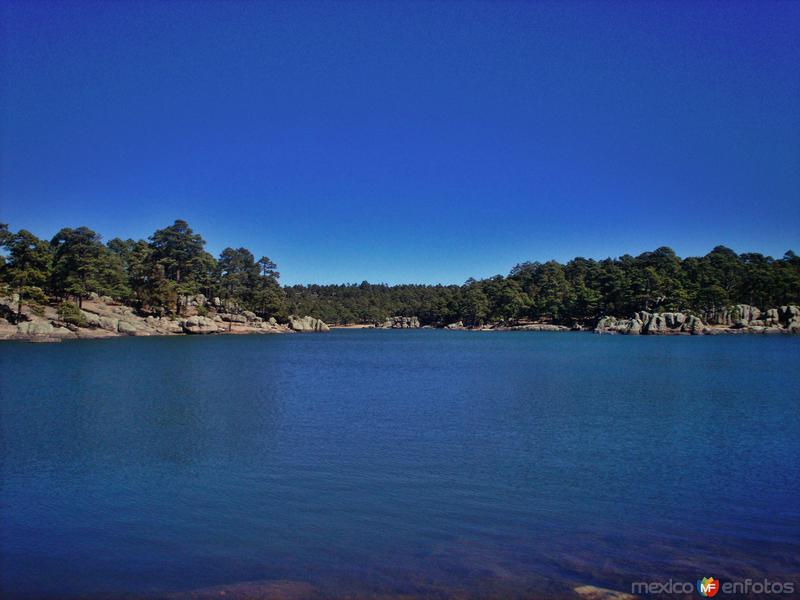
[(178, 295)]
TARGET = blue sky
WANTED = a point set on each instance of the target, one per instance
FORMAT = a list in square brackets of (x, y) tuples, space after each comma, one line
[(406, 142)]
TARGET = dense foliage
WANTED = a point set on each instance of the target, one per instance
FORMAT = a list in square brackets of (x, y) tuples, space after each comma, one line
[(160, 273), (580, 290), (156, 275)]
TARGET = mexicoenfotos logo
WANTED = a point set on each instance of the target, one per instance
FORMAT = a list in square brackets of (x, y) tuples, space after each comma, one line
[(708, 587)]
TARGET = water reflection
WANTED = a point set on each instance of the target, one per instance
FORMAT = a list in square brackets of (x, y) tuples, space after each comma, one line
[(407, 464)]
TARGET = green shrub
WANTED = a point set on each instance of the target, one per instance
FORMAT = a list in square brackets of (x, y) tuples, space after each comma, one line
[(202, 311), (36, 308), (70, 313)]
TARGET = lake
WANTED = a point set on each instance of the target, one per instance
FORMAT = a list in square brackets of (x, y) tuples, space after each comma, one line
[(369, 463)]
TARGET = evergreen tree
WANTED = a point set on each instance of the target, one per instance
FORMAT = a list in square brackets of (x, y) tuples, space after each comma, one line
[(269, 298), (180, 254), (239, 275), (82, 264), (159, 273), (475, 307), (27, 266)]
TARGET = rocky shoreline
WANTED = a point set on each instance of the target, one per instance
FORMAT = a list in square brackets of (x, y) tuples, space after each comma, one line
[(400, 323), (102, 318), (738, 319)]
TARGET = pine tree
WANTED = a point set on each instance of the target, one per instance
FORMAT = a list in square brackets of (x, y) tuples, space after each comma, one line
[(180, 254), (27, 267)]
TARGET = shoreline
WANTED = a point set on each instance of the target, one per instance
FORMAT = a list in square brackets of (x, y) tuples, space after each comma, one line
[(99, 334), (101, 317)]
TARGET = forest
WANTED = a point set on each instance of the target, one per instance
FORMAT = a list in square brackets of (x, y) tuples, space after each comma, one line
[(156, 276)]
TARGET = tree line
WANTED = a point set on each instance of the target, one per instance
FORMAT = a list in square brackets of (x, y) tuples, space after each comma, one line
[(582, 290), (157, 275)]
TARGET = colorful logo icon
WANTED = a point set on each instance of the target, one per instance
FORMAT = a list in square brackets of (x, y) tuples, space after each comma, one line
[(708, 587)]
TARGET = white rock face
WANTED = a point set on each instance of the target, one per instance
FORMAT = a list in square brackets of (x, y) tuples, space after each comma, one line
[(104, 320), (401, 323), (200, 325), (35, 328), (92, 320), (741, 318), (126, 328), (646, 323), (109, 324), (231, 318), (307, 324)]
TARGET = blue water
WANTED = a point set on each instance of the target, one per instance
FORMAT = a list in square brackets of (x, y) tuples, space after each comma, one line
[(424, 463)]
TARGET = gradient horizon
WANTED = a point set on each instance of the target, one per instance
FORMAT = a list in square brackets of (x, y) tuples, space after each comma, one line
[(406, 142)]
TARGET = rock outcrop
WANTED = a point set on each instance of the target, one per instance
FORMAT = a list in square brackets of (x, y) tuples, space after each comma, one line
[(522, 326), (741, 318), (307, 325), (740, 315), (127, 328), (102, 317), (536, 327), (193, 301), (200, 325), (645, 323), (43, 328), (231, 318), (400, 323), (744, 316)]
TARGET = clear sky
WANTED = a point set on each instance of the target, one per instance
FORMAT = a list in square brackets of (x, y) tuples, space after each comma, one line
[(406, 142)]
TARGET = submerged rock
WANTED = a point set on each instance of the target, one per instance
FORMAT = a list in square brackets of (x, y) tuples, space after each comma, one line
[(591, 592), (251, 590)]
